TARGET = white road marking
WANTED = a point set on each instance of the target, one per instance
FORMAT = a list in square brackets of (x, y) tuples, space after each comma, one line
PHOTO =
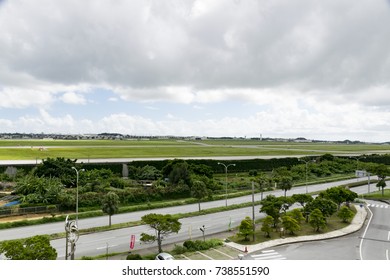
[(364, 234), (268, 255)]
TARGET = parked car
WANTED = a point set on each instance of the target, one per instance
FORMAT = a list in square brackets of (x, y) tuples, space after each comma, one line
[(164, 257)]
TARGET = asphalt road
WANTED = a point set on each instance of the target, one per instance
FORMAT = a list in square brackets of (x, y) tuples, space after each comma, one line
[(341, 248), (375, 242), (118, 240), (23, 232), (371, 242)]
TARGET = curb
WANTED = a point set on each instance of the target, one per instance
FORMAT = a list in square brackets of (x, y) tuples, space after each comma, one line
[(354, 226)]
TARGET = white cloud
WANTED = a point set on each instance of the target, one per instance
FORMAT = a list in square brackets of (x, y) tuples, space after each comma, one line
[(13, 97), (73, 98), (305, 64)]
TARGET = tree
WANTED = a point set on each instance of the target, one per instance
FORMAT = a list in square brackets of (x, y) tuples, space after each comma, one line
[(177, 171), (302, 199), (290, 224), (273, 206), (58, 168), (39, 189), (339, 195), (285, 184), (201, 170), (162, 224), (199, 190), (263, 181), (345, 214), (34, 248), (317, 220), (381, 185), (382, 172), (267, 225), (296, 214), (326, 206), (110, 205), (246, 228)]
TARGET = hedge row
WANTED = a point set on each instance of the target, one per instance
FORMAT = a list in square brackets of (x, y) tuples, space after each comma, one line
[(240, 165)]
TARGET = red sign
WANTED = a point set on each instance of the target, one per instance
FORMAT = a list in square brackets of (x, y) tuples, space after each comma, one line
[(132, 242)]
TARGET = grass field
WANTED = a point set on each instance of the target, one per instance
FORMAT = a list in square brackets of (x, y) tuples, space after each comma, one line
[(36, 149)]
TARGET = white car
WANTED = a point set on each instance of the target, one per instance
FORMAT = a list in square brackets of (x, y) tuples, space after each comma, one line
[(164, 257)]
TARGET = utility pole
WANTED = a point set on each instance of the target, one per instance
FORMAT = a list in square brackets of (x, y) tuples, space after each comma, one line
[(253, 210), (77, 193), (226, 168), (306, 163)]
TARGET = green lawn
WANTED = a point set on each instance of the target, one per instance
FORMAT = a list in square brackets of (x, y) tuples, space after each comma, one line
[(134, 152), (76, 149), (378, 194)]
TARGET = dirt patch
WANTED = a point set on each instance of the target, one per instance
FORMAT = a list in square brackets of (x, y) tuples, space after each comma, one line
[(22, 217)]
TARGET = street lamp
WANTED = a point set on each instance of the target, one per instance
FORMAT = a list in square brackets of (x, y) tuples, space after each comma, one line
[(357, 161), (306, 163), (357, 165), (77, 193), (226, 168)]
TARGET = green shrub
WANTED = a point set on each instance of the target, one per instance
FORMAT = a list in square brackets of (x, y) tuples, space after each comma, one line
[(133, 257), (177, 250), (200, 245)]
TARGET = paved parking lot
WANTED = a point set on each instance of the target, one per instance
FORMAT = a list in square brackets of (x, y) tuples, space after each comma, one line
[(220, 253)]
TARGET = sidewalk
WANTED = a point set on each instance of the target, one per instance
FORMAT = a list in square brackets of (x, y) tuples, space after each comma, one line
[(354, 226)]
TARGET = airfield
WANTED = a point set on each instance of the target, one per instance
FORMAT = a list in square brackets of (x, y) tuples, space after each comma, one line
[(33, 151)]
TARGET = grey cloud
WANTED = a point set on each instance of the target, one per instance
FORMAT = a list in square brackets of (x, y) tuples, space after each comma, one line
[(336, 46)]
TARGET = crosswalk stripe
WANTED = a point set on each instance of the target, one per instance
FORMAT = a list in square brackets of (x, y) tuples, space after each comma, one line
[(265, 255), (378, 206), (268, 255), (277, 257)]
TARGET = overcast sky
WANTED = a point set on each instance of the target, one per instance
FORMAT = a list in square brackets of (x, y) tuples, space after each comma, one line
[(297, 68)]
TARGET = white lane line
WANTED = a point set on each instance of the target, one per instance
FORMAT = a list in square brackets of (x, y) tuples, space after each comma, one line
[(387, 254), (204, 255), (388, 235), (364, 234), (222, 253)]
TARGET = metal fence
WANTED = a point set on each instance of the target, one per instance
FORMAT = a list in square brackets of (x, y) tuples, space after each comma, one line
[(14, 211)]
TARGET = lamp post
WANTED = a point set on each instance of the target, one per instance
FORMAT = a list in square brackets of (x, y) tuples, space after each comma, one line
[(357, 165), (226, 168), (77, 193), (306, 163)]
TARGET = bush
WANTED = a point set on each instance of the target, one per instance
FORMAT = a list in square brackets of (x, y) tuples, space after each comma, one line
[(177, 250), (200, 245), (133, 257)]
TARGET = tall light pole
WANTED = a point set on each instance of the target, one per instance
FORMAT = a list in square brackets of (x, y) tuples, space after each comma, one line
[(357, 165), (306, 163), (77, 193), (226, 168)]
